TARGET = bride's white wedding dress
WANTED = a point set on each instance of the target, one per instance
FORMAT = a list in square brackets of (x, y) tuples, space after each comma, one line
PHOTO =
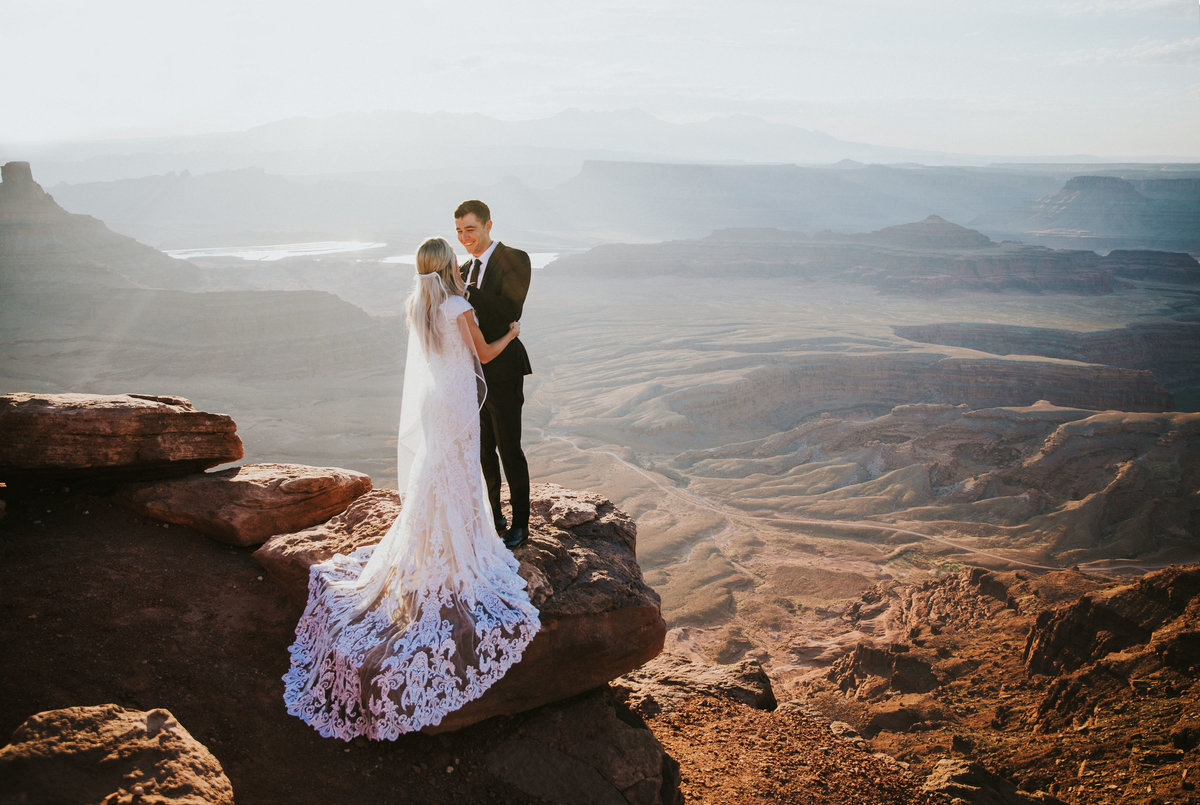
[(399, 634)]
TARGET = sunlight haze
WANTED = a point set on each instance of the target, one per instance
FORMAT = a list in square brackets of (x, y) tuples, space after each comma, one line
[(1112, 78)]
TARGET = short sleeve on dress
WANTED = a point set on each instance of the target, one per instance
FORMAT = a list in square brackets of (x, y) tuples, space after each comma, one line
[(455, 306)]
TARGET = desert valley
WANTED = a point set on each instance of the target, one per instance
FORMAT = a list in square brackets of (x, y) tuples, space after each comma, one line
[(886, 432)]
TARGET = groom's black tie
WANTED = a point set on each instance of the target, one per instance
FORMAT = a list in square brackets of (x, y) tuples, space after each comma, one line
[(474, 280)]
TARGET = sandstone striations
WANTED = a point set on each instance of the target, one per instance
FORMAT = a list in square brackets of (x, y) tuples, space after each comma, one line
[(1063, 484), (1166, 349), (1177, 268), (934, 668), (1094, 203), (1067, 638), (248, 504), (64, 436), (108, 753), (716, 414), (599, 618), (780, 396)]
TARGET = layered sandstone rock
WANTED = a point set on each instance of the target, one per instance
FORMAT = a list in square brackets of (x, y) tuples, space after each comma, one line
[(287, 557), (1165, 348), (1094, 204), (1062, 485), (246, 505), (1125, 479), (110, 753), (80, 302), (960, 601), (123, 436), (1155, 266), (599, 618)]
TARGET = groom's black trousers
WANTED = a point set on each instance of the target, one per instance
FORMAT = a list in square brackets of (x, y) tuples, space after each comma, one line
[(500, 432)]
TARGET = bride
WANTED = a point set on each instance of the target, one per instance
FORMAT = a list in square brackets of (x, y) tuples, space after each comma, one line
[(396, 635)]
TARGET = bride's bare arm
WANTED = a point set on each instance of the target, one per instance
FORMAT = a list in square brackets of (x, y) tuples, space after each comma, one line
[(484, 350)]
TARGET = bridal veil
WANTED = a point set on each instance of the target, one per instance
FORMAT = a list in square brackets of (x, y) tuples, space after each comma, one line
[(398, 634)]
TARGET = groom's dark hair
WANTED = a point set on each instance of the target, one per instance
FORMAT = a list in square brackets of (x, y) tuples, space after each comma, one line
[(476, 207)]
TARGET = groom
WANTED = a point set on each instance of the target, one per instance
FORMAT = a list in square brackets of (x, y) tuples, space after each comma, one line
[(497, 281)]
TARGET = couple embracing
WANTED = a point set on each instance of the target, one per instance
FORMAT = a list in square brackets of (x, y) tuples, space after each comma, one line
[(396, 635)]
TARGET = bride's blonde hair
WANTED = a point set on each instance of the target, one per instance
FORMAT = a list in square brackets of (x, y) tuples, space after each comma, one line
[(438, 279)]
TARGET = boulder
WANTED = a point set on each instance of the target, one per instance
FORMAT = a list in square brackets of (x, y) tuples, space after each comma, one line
[(599, 618), (961, 780), (246, 505), (287, 557), (120, 437), (669, 679), (590, 749), (110, 754)]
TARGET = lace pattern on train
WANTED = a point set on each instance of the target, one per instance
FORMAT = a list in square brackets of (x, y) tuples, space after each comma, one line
[(397, 635)]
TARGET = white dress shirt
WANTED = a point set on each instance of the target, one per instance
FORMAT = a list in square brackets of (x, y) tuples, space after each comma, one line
[(483, 261)]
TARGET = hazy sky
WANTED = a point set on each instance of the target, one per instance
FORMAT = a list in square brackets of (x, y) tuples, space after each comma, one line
[(1022, 77)]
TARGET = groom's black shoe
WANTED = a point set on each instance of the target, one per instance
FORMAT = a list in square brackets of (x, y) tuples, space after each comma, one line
[(515, 536), (501, 525)]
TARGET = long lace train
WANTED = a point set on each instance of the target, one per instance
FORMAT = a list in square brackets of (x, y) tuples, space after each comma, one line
[(397, 635), (377, 680)]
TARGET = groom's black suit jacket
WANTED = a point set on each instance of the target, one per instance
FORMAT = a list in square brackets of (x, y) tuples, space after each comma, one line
[(498, 301)]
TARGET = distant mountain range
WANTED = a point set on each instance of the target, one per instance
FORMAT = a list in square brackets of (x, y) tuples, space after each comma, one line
[(928, 257), (580, 178), (455, 146), (608, 201)]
